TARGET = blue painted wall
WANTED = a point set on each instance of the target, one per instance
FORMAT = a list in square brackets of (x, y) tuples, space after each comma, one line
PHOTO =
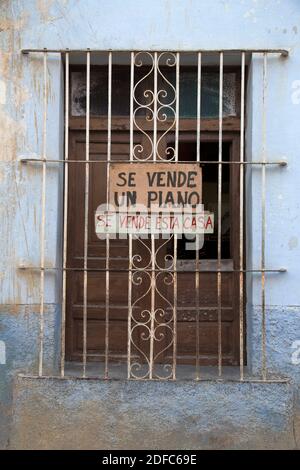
[(176, 25)]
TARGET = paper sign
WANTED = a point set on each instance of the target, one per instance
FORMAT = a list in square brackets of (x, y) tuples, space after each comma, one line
[(160, 185)]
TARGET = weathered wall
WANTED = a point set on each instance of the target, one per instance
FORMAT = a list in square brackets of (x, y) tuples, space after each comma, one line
[(182, 25), (131, 415)]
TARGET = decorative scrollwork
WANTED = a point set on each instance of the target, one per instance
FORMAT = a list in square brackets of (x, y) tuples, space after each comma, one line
[(152, 316), (139, 151), (138, 262), (163, 100), (167, 258), (166, 99), (152, 322)]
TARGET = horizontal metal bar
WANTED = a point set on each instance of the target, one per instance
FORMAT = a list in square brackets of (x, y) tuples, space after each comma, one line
[(117, 270), (41, 160), (212, 380), (192, 311), (283, 52), (183, 311)]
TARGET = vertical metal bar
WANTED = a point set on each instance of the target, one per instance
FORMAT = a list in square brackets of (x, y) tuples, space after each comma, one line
[(155, 108), (43, 217), (175, 235), (197, 275), (132, 58), (263, 222), (65, 222), (86, 209), (219, 247), (152, 322), (199, 75), (153, 277), (175, 311), (129, 307), (107, 199), (177, 106), (241, 223)]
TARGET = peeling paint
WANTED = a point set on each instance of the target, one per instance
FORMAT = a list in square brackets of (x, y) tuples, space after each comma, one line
[(2, 353), (251, 14), (45, 6), (2, 92), (293, 243), (13, 24), (10, 130)]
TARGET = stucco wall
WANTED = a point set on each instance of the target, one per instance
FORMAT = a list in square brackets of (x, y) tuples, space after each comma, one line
[(176, 25), (131, 415)]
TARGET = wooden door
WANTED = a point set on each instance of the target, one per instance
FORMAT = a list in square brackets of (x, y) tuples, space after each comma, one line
[(197, 328), (197, 310), (118, 259)]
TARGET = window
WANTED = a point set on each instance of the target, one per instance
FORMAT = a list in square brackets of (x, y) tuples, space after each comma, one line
[(153, 308), (121, 87), (197, 319)]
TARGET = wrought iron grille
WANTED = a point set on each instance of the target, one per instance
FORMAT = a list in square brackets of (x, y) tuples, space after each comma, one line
[(160, 106)]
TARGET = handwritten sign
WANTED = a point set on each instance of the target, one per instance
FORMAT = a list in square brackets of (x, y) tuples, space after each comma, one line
[(145, 223), (162, 185)]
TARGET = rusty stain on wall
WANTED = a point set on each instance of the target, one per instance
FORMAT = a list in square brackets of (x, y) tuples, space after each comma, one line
[(13, 96), (11, 129), (44, 7)]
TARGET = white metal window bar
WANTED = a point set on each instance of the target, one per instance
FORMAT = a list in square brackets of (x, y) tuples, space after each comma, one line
[(153, 270)]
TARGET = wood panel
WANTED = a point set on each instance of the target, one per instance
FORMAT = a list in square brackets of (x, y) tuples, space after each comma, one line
[(118, 296)]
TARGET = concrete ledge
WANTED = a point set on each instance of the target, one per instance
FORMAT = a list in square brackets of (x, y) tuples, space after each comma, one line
[(85, 414)]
